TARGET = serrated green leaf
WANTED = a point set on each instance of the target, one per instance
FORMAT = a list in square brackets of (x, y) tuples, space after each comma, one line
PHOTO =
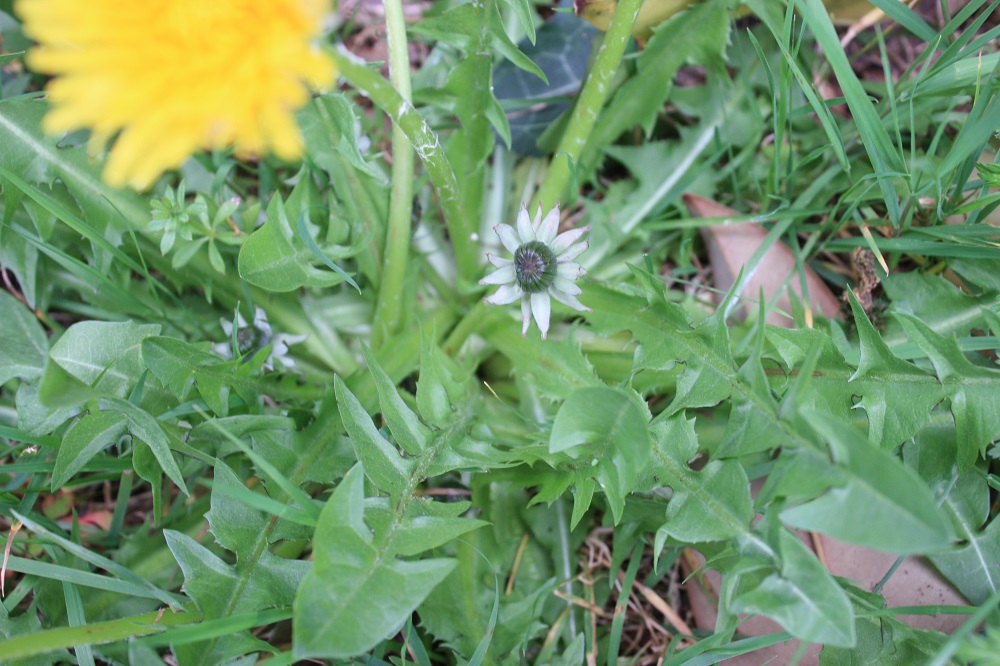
[(709, 505), (605, 426), (25, 346), (411, 435), (383, 464), (222, 590), (901, 515), (666, 339), (555, 368), (356, 595), (897, 396), (181, 366), (972, 390)]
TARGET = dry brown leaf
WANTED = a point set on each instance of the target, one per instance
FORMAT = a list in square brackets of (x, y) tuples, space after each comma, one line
[(730, 247)]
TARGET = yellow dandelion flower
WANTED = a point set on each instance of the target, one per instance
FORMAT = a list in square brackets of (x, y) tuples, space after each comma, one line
[(172, 78)]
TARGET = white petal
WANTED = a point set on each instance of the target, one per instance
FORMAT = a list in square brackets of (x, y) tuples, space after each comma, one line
[(565, 286), (290, 339), (541, 306), (260, 319), (567, 238), (570, 300), (503, 275), (525, 316), (499, 262), (508, 236), (227, 326), (546, 231), (524, 228), (570, 270), (573, 252), (505, 294)]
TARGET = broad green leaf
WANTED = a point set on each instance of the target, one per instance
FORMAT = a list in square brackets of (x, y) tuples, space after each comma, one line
[(328, 125), (897, 396), (444, 389), (711, 504), (972, 390), (605, 427), (802, 597), (85, 439), (275, 258), (410, 433), (25, 346), (355, 594), (418, 534), (103, 355), (965, 496), (26, 150), (901, 515), (383, 464)]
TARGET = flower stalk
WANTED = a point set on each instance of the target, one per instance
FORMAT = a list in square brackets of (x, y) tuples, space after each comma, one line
[(389, 306), (595, 92), (428, 148)]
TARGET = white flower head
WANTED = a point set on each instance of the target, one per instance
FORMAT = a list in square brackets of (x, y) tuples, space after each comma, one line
[(251, 338), (542, 267)]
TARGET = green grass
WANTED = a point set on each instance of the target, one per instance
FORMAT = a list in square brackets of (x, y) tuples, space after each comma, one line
[(417, 482)]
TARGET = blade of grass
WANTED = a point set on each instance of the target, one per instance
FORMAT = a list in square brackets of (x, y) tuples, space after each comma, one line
[(77, 577), (884, 157), (42, 642), (100, 561), (226, 626)]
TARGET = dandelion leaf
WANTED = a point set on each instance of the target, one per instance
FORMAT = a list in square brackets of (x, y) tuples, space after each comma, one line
[(356, 595)]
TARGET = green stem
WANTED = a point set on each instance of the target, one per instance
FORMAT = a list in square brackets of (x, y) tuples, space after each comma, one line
[(427, 147), (595, 93), (389, 306)]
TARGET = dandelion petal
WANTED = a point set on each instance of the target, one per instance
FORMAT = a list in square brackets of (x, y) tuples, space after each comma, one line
[(550, 225), (570, 270), (508, 236), (565, 286), (499, 262), (503, 275), (567, 238), (541, 307), (504, 295), (573, 252), (570, 300), (524, 227)]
